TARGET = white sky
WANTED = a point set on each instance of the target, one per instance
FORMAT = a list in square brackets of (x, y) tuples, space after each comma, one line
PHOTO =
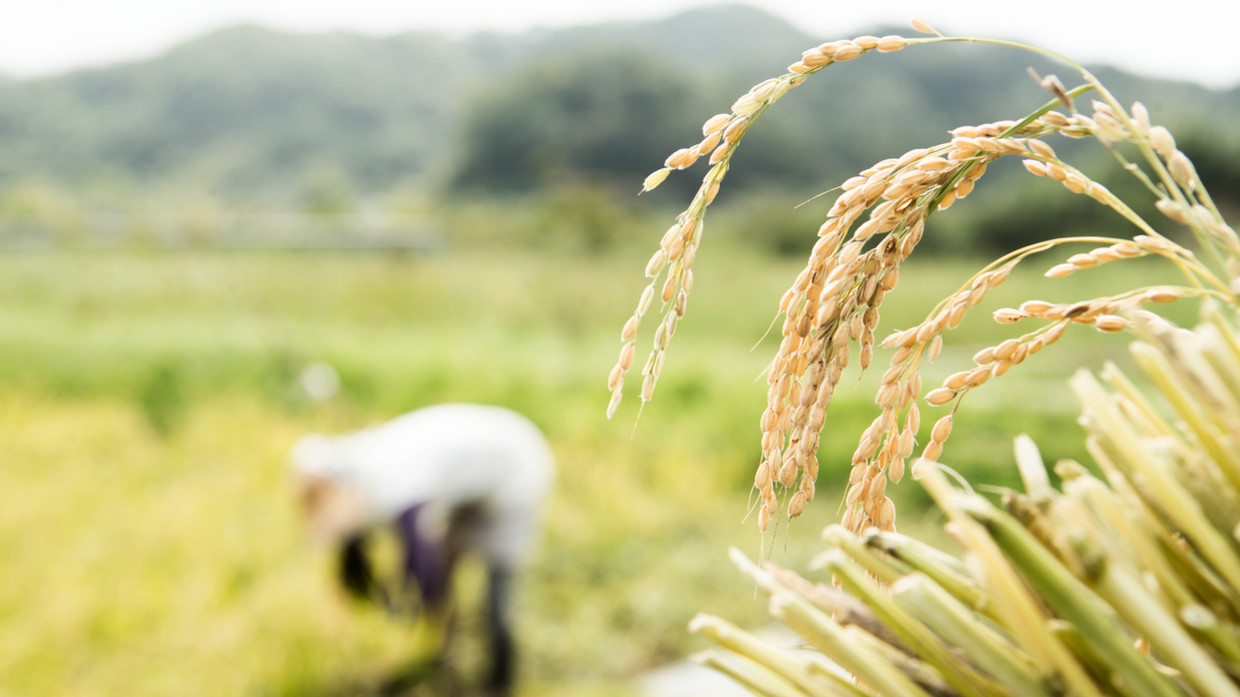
[(1188, 39)]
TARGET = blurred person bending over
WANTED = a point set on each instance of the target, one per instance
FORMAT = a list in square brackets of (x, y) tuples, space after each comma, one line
[(452, 479)]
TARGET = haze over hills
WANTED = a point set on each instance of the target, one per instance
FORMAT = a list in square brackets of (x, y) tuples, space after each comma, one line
[(257, 113)]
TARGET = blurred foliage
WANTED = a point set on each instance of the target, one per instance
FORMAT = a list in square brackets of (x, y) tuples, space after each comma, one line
[(602, 114), (147, 399), (147, 402), (286, 121)]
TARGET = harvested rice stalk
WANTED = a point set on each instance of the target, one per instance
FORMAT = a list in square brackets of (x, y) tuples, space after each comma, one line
[(830, 314)]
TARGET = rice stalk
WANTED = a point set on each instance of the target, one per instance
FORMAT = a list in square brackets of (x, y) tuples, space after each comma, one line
[(1118, 583), (830, 314), (1121, 579)]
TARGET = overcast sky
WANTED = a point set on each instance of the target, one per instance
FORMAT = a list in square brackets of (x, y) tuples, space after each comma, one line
[(1188, 39)]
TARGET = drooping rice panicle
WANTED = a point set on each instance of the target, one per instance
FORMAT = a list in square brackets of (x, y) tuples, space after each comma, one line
[(1123, 582), (831, 311)]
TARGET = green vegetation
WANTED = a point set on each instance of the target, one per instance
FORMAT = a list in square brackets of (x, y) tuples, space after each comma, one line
[(344, 129), (148, 397), (148, 400)]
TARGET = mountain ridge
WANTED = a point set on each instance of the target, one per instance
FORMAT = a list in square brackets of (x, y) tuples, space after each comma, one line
[(253, 110)]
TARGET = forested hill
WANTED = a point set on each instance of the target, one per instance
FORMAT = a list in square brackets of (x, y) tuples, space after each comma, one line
[(257, 112)]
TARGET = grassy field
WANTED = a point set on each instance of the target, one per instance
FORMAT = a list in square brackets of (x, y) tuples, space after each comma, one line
[(148, 541)]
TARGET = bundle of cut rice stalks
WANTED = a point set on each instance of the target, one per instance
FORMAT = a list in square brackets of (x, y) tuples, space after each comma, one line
[(1119, 585), (1125, 580)]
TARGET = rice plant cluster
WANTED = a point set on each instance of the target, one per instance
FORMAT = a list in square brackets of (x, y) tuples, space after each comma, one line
[(1118, 583), (1118, 578), (831, 312)]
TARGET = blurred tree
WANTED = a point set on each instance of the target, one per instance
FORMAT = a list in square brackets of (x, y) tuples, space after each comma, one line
[(773, 221), (602, 115), (580, 217)]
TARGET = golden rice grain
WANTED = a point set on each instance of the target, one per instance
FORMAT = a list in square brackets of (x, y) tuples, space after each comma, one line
[(1055, 119), (846, 51), (816, 59), (1036, 308), (627, 353), (1076, 184), (905, 443), (891, 43), (677, 159), (1083, 261), (661, 336), (763, 90), (1182, 170), (796, 505), (616, 378), (1041, 148), (1060, 270), (985, 355), (1111, 323), (955, 314), (655, 178), (747, 105), (630, 328), (715, 124), (762, 477), (643, 304), (940, 396), (1141, 116), (855, 493), (1162, 141), (853, 519), (673, 249), (963, 188), (709, 142), (1109, 127), (946, 202), (895, 471), (978, 376), (956, 381), (736, 127), (1007, 315), (1162, 295), (876, 488), (1006, 348), (655, 265), (613, 403), (648, 384)]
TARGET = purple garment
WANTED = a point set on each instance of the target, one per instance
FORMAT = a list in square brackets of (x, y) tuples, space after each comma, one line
[(427, 560)]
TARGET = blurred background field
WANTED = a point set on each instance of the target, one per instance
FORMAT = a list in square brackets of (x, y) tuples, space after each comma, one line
[(149, 535), (439, 219)]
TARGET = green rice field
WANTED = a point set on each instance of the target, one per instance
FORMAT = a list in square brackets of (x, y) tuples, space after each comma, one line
[(149, 542)]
